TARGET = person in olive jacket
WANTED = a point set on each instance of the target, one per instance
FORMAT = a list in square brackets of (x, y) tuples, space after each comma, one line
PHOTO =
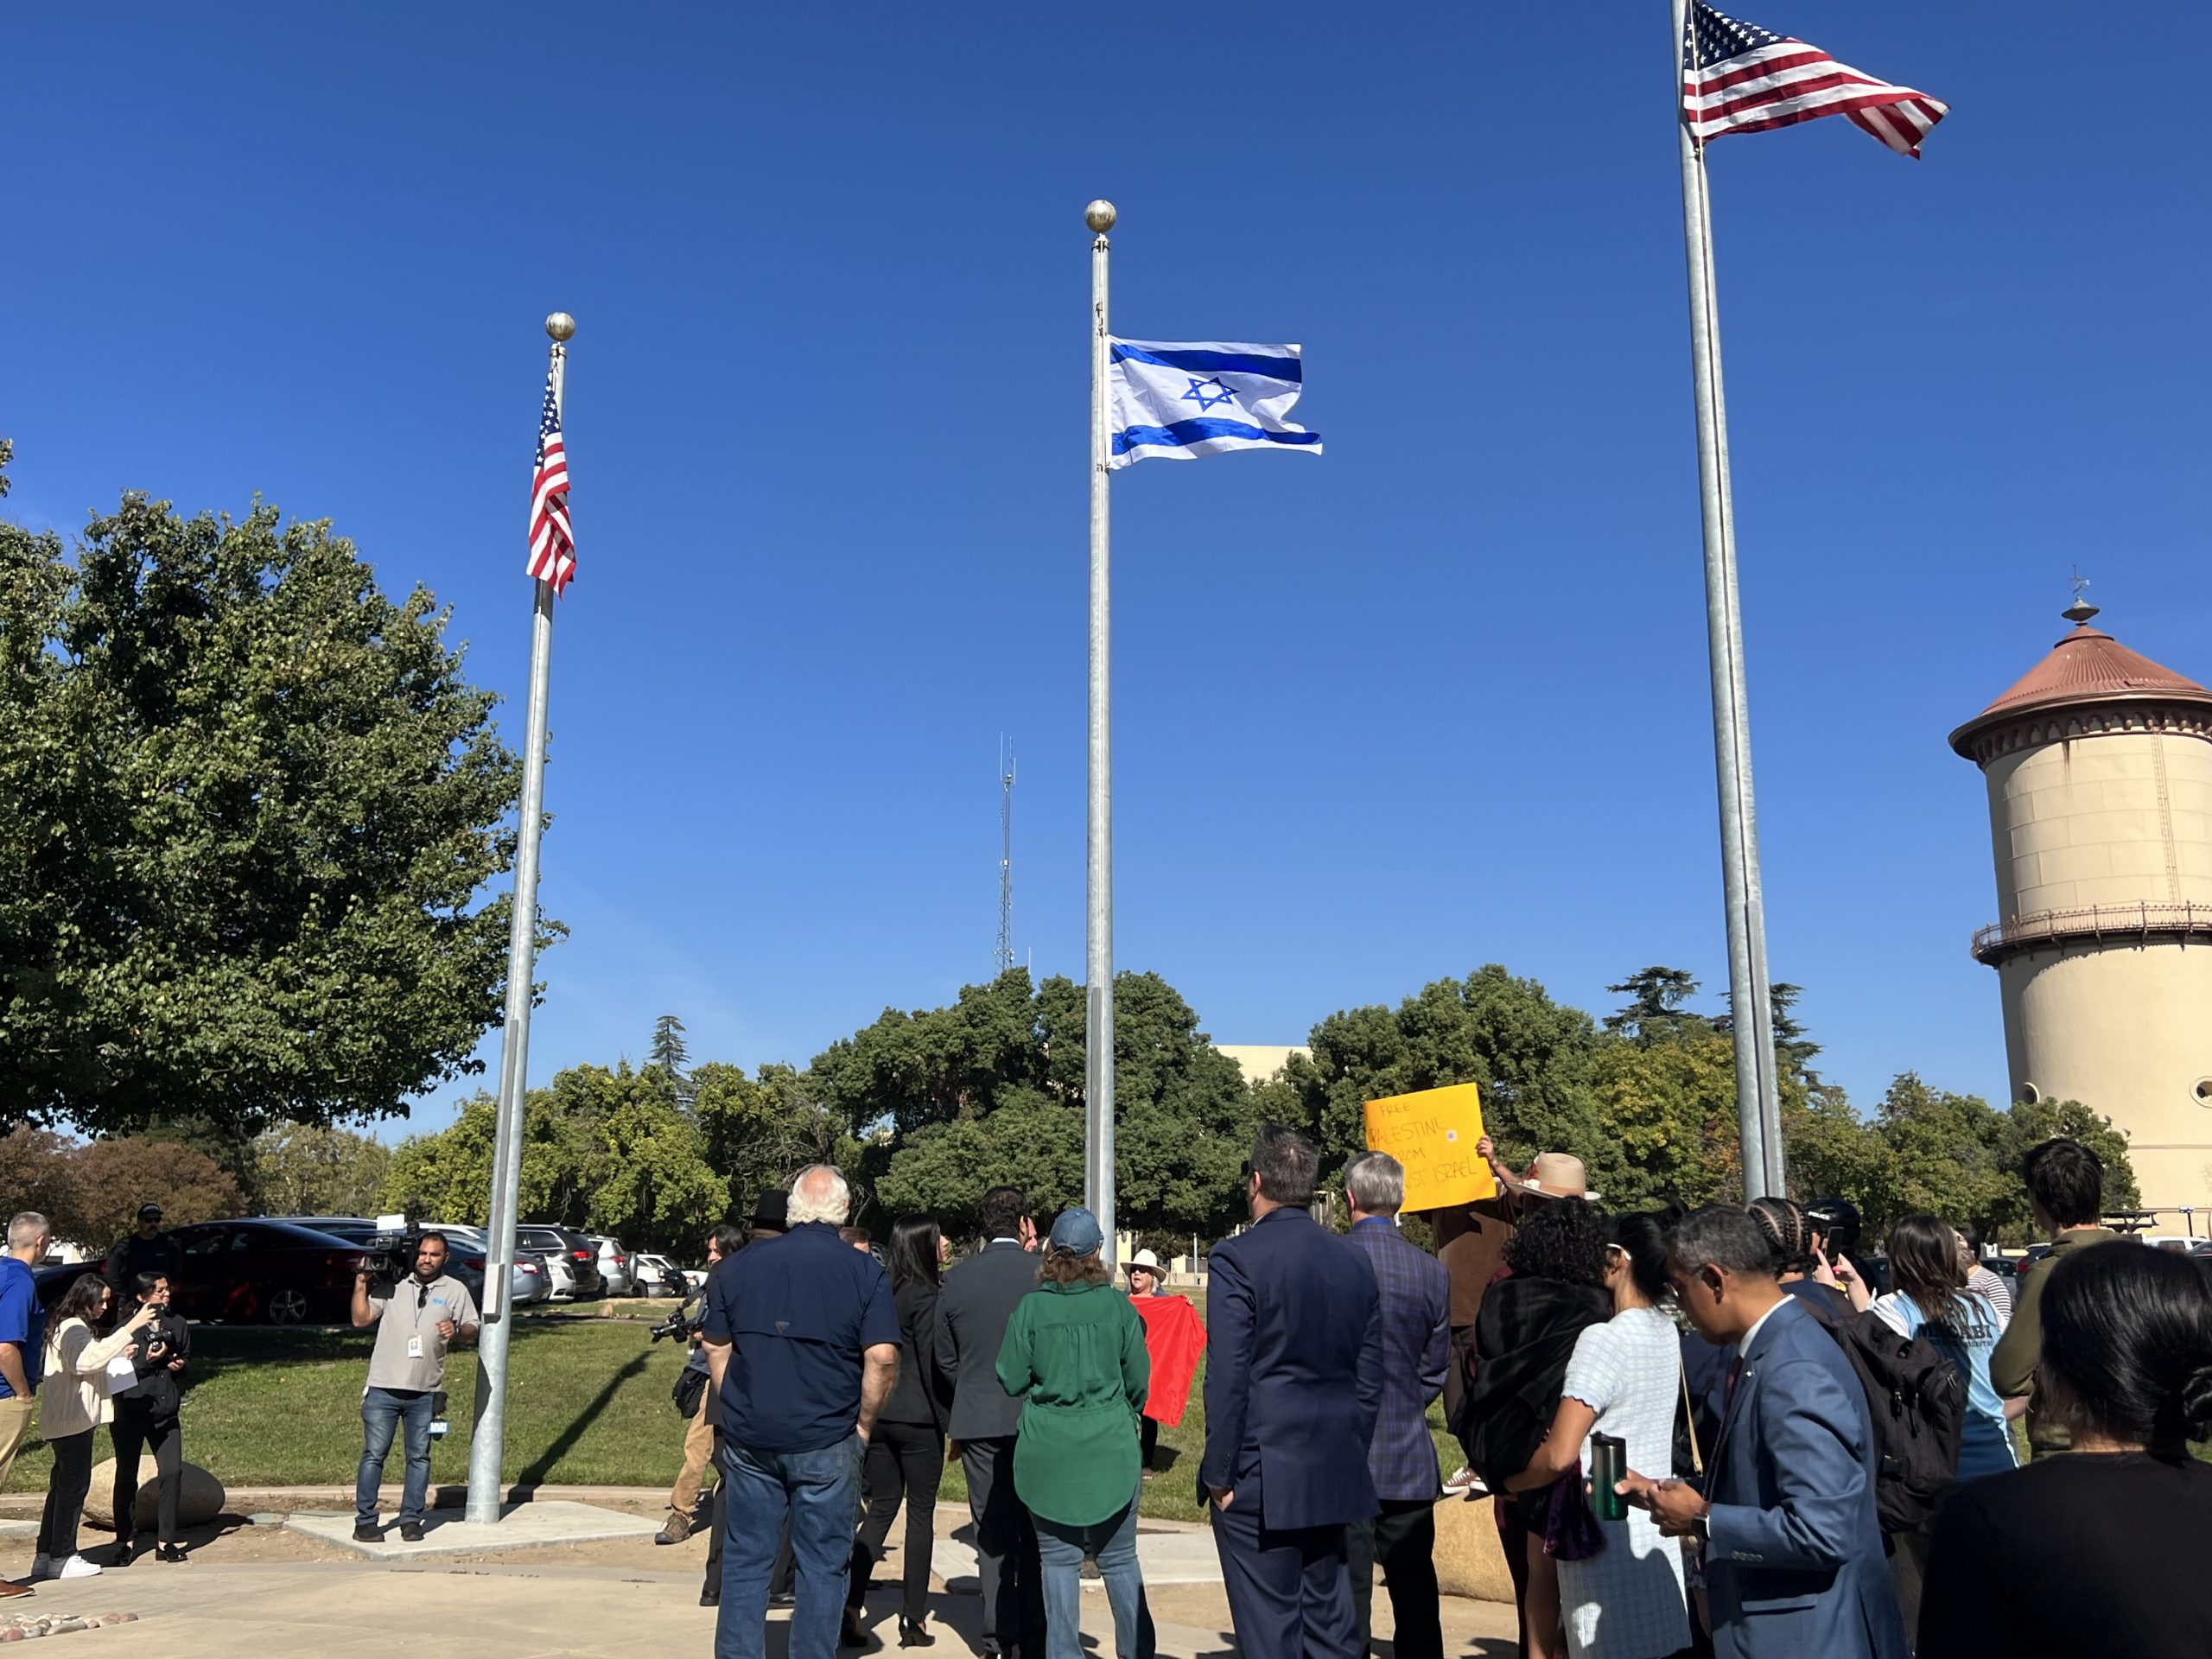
[(1075, 1356)]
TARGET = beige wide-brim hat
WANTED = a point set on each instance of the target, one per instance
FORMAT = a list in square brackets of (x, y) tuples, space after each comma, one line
[(1144, 1259), (1555, 1175)]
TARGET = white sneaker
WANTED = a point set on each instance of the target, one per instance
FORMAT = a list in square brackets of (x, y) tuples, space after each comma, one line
[(77, 1568), (42, 1567)]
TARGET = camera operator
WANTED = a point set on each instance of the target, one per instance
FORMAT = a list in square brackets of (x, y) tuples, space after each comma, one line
[(146, 1419), (699, 1427), (416, 1321)]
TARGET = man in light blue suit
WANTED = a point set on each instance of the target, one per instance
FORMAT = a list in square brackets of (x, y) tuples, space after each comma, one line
[(1793, 1548)]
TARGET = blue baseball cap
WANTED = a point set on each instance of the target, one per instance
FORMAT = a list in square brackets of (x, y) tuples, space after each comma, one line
[(1076, 1232)]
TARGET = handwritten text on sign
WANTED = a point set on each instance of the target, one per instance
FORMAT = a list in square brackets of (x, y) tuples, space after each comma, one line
[(1434, 1134)]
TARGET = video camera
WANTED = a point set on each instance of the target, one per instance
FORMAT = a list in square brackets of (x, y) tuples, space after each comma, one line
[(390, 1254), (684, 1321)]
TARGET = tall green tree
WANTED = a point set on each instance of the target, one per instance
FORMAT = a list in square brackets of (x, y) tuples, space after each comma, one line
[(1666, 1123), (1530, 1057), (672, 1056), (604, 1150), (1792, 1048), (1657, 1008), (253, 807), (91, 1190), (950, 1102), (758, 1132), (305, 1169), (933, 1065)]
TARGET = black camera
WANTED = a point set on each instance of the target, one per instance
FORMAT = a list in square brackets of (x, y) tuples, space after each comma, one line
[(1837, 1222), (390, 1258), (690, 1313)]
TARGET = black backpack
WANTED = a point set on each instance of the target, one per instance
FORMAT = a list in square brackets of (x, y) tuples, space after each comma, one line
[(690, 1384), (1917, 1400)]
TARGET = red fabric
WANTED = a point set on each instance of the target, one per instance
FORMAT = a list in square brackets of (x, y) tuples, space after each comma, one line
[(1174, 1337)]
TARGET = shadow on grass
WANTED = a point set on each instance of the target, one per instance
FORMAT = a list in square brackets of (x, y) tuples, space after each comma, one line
[(533, 1477)]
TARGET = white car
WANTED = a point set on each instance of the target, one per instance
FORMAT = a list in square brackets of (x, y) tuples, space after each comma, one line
[(560, 1276), (614, 1266), (656, 1275)]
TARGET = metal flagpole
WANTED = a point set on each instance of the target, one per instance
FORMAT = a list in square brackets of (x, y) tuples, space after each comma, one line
[(1759, 1103), (487, 1443), (1098, 931)]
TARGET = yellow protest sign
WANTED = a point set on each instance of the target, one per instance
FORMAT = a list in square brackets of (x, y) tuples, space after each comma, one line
[(1433, 1134)]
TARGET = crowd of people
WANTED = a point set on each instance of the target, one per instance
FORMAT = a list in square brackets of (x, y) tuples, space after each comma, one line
[(1699, 1432)]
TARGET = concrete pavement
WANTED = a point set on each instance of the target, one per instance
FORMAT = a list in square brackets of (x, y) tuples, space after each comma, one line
[(516, 1611)]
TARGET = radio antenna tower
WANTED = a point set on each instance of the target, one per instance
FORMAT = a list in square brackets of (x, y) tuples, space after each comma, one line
[(1003, 958)]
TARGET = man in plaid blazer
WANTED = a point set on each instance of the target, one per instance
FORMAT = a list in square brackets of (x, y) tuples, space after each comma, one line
[(1401, 1458)]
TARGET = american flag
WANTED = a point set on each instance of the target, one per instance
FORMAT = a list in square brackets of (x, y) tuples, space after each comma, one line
[(552, 548), (1740, 78)]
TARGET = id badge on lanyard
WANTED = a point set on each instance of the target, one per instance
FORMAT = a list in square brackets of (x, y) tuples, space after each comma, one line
[(415, 1350)]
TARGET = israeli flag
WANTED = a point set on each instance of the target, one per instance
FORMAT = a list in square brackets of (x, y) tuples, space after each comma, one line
[(1184, 399)]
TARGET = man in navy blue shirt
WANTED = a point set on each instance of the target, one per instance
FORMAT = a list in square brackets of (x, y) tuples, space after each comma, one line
[(802, 1340), (22, 1337)]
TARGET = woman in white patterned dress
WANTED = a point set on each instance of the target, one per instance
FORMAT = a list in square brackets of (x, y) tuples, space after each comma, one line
[(1627, 1601)]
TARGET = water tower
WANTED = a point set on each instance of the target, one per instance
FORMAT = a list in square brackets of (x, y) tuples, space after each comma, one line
[(2099, 763)]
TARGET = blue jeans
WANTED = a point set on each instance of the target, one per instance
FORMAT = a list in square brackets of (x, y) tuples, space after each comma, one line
[(1113, 1544), (820, 1491), (383, 1410)]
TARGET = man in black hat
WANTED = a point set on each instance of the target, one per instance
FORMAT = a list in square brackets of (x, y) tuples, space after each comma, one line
[(770, 1214), (147, 1251)]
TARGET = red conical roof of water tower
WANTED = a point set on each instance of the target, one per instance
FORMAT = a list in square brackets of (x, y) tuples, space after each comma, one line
[(2087, 666)]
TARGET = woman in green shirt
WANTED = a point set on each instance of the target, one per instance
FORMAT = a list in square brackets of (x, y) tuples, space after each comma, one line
[(1074, 1356)]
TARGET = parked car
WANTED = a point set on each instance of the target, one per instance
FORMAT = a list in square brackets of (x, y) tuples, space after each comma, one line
[(614, 1266), (656, 1275), (464, 1253), (52, 1282), (581, 1252), (469, 1248), (283, 1272), (560, 1276)]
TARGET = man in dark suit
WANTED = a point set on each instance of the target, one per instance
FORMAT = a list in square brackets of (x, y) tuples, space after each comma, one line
[(1294, 1386), (1401, 1458), (972, 1311), (1793, 1546)]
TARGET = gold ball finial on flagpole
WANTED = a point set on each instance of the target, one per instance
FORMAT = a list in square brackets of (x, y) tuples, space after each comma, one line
[(560, 325), (1100, 216)]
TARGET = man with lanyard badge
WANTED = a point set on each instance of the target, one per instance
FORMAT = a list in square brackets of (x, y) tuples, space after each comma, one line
[(425, 1313)]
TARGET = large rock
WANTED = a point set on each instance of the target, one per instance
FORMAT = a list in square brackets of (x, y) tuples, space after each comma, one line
[(1470, 1560), (199, 1497)]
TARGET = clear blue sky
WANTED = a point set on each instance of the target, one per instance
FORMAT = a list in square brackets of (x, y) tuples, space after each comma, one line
[(1436, 699)]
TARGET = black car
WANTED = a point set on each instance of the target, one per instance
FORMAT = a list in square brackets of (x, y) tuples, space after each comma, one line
[(580, 1254), (53, 1283), (280, 1272)]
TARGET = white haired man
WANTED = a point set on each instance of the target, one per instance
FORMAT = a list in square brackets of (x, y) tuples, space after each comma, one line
[(1400, 1459), (802, 1340)]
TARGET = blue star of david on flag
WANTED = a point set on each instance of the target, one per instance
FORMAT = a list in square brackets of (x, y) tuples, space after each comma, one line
[(1242, 393), (1198, 394)]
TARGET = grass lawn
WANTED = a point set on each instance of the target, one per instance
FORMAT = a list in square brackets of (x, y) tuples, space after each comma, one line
[(587, 1405)]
